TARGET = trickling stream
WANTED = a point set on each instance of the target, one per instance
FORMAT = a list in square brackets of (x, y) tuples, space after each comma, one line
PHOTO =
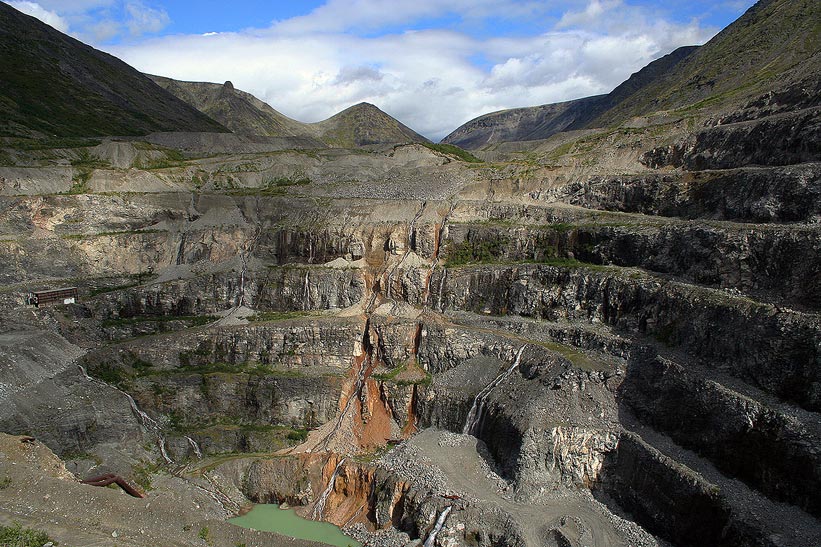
[(319, 508), (474, 418), (195, 446), (440, 522)]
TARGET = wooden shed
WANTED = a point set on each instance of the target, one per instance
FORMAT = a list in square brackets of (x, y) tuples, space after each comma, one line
[(66, 295)]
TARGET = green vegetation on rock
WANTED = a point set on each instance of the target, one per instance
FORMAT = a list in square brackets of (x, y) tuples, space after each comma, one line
[(452, 150), (17, 536)]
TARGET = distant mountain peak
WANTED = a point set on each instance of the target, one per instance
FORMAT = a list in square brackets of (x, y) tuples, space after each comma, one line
[(361, 124)]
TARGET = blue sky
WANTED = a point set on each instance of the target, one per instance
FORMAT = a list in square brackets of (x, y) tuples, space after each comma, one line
[(432, 64)]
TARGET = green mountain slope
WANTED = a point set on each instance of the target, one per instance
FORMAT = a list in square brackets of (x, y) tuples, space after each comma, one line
[(241, 112), (774, 47), (776, 43), (51, 84), (237, 110), (540, 122), (364, 124)]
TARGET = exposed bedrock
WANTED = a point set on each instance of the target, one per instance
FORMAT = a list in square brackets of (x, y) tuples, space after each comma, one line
[(545, 421), (782, 139), (779, 261), (749, 194), (92, 236), (774, 450), (775, 351), (664, 496), (44, 393), (287, 288), (244, 378), (372, 496)]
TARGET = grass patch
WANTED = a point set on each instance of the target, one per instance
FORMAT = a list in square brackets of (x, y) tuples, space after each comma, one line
[(276, 315), (17, 536), (470, 252), (5, 159), (114, 233), (220, 367), (193, 320), (370, 457), (111, 374), (79, 183), (453, 150), (102, 290), (576, 357), (5, 482), (142, 474), (271, 187), (417, 375), (51, 143), (297, 435), (171, 158)]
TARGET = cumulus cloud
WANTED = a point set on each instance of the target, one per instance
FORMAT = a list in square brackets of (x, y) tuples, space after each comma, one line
[(143, 19), (432, 64), (36, 10), (344, 15)]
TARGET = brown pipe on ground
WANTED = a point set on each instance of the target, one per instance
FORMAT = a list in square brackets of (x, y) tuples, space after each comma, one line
[(111, 478)]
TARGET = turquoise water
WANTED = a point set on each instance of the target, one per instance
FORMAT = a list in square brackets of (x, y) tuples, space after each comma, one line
[(270, 518)]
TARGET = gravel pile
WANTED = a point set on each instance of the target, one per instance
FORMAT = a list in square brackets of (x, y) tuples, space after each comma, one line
[(408, 463), (448, 439), (382, 538)]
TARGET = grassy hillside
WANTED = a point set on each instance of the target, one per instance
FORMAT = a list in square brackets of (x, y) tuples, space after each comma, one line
[(242, 113), (237, 110), (364, 124), (54, 85), (775, 46), (775, 43), (540, 122)]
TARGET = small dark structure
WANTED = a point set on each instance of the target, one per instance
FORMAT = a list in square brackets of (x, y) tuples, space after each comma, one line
[(66, 295)]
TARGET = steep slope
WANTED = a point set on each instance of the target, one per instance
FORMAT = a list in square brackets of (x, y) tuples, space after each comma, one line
[(237, 110), (51, 84), (540, 122), (364, 124), (244, 114), (522, 124), (775, 44), (773, 47)]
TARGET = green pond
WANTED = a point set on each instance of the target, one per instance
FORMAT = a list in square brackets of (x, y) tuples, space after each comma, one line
[(270, 518)]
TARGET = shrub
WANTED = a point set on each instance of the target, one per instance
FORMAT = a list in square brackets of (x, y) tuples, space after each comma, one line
[(17, 536)]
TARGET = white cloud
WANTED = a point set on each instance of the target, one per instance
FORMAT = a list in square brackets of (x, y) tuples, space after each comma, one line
[(36, 10), (592, 14), (143, 19), (346, 51), (342, 15)]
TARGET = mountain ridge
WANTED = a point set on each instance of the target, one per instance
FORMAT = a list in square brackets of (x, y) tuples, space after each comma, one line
[(771, 47), (54, 85), (358, 125)]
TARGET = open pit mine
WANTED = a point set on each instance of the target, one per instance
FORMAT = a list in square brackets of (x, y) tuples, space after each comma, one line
[(598, 326)]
